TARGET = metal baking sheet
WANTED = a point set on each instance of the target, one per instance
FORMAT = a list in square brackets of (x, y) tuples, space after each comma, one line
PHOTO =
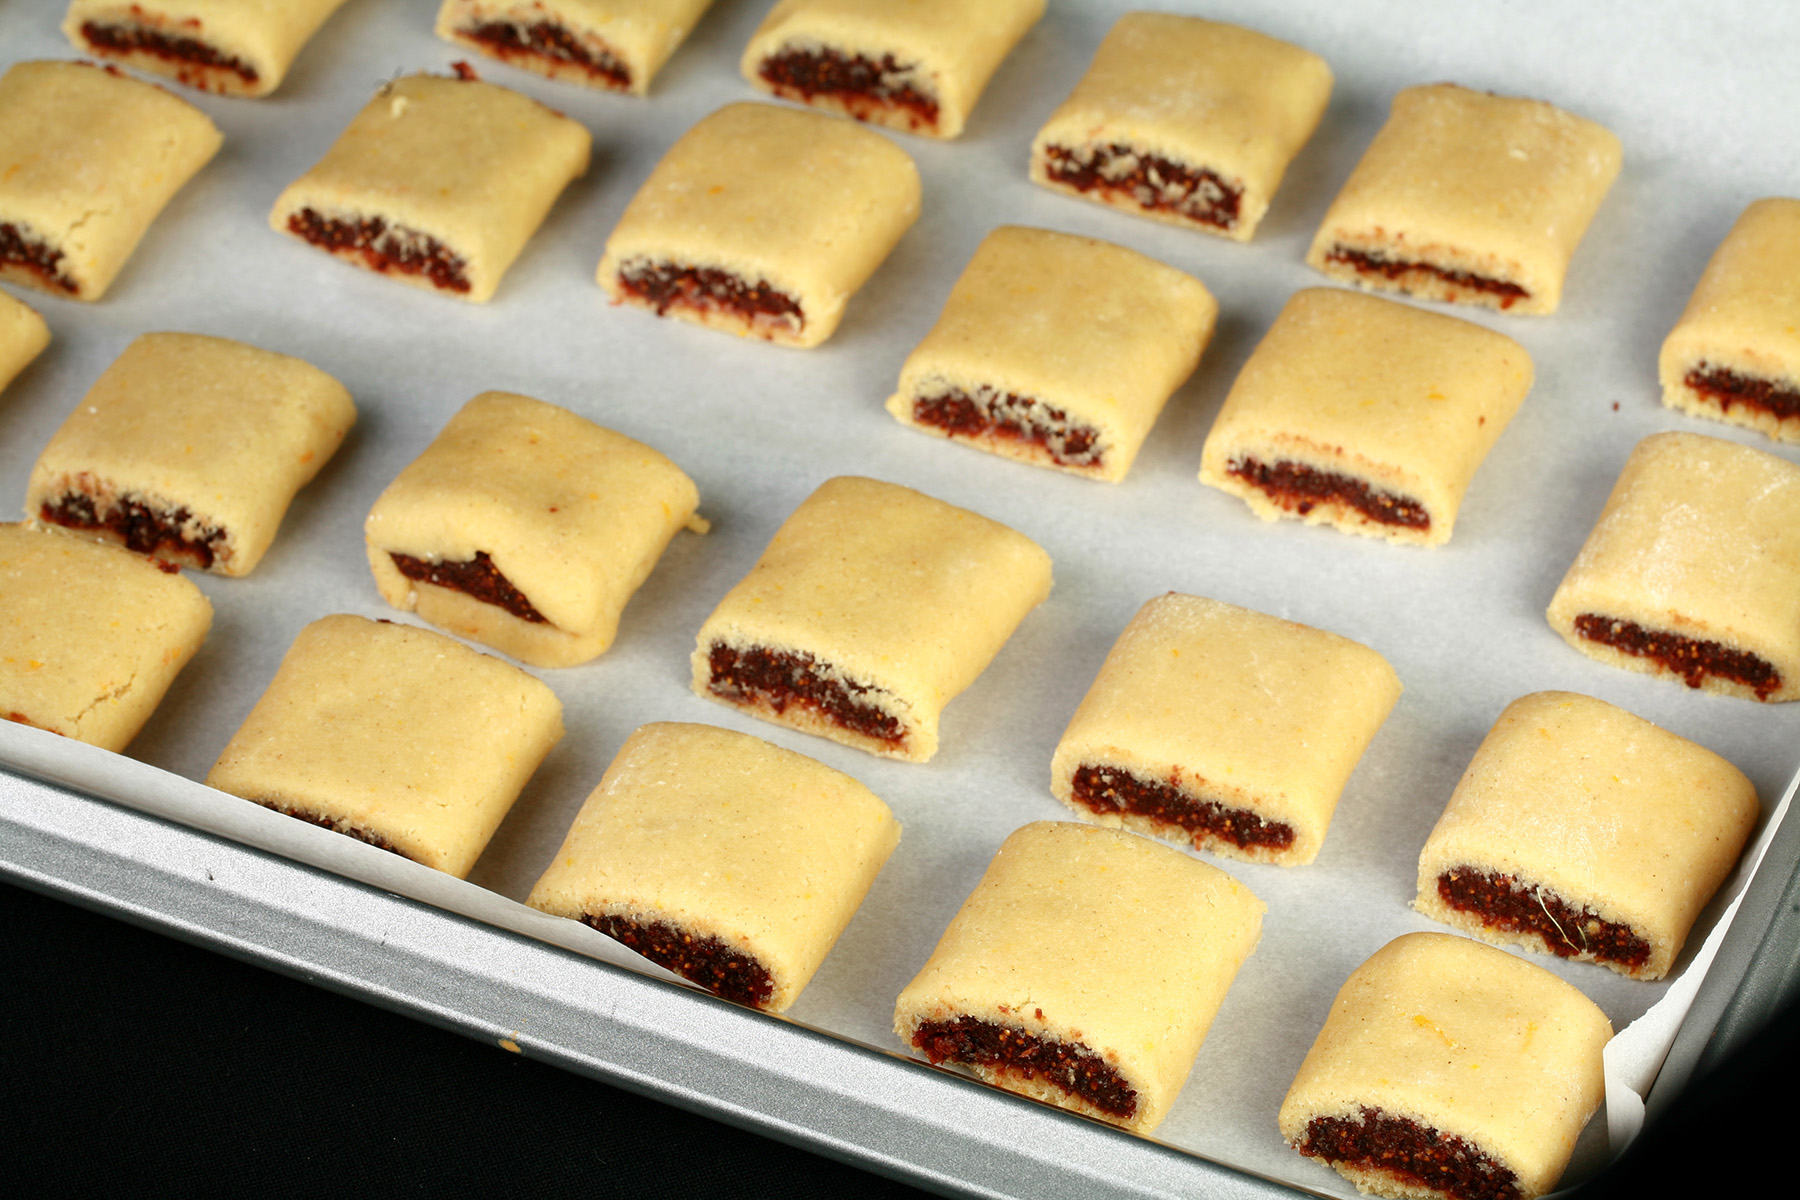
[(759, 427)]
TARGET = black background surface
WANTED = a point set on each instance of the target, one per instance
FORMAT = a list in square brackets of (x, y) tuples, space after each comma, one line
[(133, 1064)]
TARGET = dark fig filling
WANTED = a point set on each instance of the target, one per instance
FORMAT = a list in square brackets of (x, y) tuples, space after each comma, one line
[(549, 41), (383, 247), (477, 577), (1365, 262), (704, 960), (1298, 488), (1505, 904), (1149, 181), (782, 678), (993, 414), (336, 826), (20, 249), (1412, 1153), (141, 528), (1069, 1066), (865, 87), (1729, 388), (1110, 790), (668, 285), (1690, 658), (132, 38)]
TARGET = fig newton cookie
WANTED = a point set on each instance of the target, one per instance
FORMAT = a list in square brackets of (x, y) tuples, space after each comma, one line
[(23, 336), (88, 158), (731, 862), (1365, 414), (190, 449), (1583, 831), (918, 67), (1084, 971), (224, 46), (1693, 570), (526, 528), (762, 221), (1186, 121), (1469, 197), (1734, 355), (91, 636), (613, 44), (870, 610), (438, 182), (1056, 350), (399, 737), (1223, 728), (1450, 1069)]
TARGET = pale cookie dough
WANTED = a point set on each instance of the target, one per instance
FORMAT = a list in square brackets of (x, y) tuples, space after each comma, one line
[(1223, 728), (1471, 198), (918, 67), (613, 44), (1583, 831), (23, 336), (1735, 354), (88, 158), (762, 221), (1186, 121), (438, 182), (526, 528), (1084, 970), (1366, 415), (1056, 350), (1693, 570), (1472, 1070), (731, 862), (190, 448), (870, 610), (226, 46), (90, 636), (396, 736)]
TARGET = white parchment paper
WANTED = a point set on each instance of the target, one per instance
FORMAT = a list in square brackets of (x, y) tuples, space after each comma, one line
[(1708, 108)]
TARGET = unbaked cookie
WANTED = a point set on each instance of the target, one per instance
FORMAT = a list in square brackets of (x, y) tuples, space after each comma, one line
[(870, 610), (614, 44), (1583, 831), (1224, 728), (1183, 120), (1056, 350), (1735, 354), (438, 182), (396, 736), (88, 158), (918, 67), (1449, 1069), (1365, 414), (526, 528), (1693, 570), (91, 637), (224, 46), (1084, 970), (190, 448), (23, 336), (734, 863), (1469, 197), (762, 221)]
